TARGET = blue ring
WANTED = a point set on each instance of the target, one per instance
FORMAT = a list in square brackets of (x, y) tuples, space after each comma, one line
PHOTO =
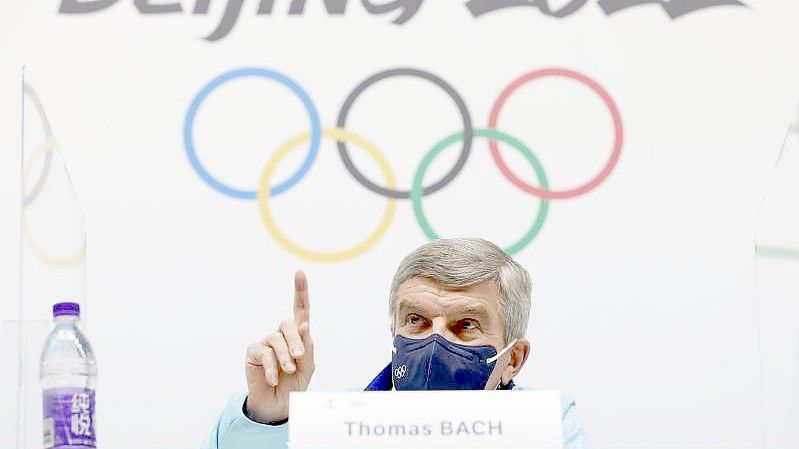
[(188, 131)]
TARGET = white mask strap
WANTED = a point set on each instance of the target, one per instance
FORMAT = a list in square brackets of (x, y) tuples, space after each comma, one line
[(502, 352)]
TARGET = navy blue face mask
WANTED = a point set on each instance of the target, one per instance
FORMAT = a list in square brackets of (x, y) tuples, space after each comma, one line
[(434, 363)]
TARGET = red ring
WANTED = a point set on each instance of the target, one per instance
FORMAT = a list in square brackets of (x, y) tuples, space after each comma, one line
[(558, 194)]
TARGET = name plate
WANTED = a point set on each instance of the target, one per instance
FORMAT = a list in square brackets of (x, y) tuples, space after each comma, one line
[(425, 419)]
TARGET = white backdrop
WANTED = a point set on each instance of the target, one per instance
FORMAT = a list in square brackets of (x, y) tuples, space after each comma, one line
[(644, 305)]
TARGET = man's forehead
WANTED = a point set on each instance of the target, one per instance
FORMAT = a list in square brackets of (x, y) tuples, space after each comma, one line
[(423, 292), (486, 288)]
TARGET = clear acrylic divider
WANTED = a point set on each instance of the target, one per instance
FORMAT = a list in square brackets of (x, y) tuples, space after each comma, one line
[(777, 276), (53, 236), (52, 268)]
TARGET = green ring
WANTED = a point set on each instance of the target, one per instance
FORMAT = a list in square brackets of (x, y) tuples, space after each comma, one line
[(418, 179)]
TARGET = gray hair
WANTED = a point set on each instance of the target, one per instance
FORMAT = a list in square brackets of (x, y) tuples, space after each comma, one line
[(458, 263)]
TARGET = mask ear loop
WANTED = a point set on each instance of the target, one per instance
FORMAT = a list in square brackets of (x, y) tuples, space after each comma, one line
[(500, 354)]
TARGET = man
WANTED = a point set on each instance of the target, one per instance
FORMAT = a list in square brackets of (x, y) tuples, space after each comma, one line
[(459, 311)]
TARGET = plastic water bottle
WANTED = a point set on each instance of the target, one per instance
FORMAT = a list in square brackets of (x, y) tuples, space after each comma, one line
[(68, 373)]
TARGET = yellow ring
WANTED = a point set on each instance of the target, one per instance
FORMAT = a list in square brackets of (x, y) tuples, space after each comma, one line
[(54, 261), (46, 145), (341, 135)]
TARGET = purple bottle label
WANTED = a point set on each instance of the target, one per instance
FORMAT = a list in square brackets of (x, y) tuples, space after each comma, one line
[(68, 418)]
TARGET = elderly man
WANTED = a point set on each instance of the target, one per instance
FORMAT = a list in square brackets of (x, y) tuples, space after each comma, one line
[(459, 312)]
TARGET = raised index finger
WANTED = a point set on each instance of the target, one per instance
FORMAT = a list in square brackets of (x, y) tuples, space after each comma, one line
[(302, 306)]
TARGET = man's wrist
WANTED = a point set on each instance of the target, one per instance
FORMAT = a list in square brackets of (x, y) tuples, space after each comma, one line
[(252, 418)]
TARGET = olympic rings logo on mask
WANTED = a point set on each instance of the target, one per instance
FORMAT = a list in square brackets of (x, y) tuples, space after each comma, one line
[(400, 371), (344, 137)]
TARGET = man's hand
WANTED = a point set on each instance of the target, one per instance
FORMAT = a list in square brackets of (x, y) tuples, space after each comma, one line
[(282, 362)]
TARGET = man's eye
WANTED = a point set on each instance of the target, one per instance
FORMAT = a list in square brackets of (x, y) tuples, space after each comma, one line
[(413, 320), (469, 325)]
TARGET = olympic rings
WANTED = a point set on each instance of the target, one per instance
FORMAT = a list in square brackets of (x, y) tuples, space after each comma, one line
[(188, 131), (617, 127), (416, 191), (340, 135), (465, 117), (47, 147), (343, 136)]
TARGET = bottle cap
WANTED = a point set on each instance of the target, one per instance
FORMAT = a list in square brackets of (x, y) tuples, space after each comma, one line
[(66, 308)]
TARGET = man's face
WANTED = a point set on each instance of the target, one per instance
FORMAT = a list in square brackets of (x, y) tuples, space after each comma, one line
[(468, 316)]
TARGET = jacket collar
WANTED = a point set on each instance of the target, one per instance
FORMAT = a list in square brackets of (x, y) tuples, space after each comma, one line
[(383, 382)]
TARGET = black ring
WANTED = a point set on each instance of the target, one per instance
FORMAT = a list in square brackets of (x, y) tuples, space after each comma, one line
[(468, 132)]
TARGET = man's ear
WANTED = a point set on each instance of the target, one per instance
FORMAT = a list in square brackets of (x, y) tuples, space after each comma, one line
[(518, 355)]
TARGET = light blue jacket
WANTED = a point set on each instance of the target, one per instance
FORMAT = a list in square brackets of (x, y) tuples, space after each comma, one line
[(234, 430)]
